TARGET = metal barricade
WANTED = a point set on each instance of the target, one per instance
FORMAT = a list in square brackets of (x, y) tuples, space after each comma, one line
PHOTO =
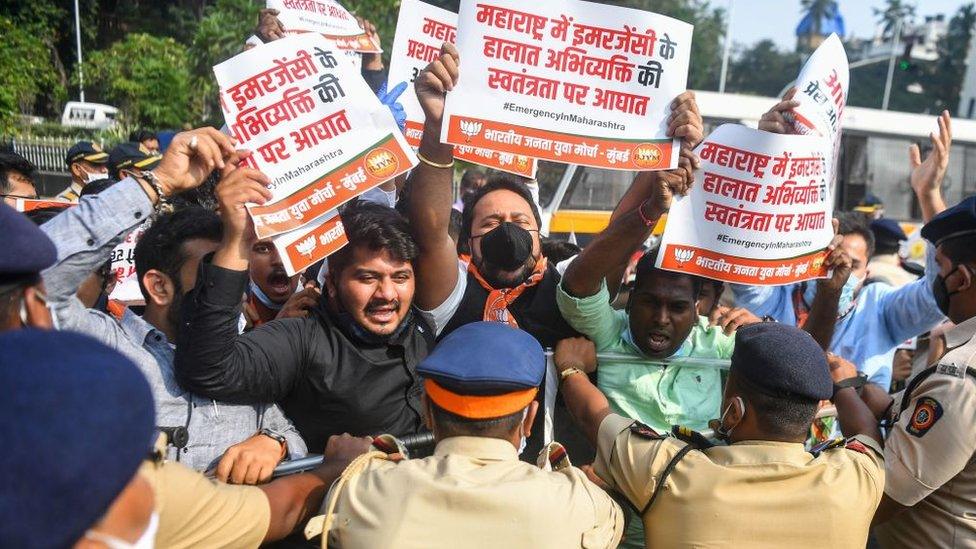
[(46, 153)]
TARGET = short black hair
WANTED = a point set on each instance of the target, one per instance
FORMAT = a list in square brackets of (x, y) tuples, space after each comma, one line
[(470, 176), (139, 136), (558, 250), (13, 162), (453, 425), (886, 247), (960, 250), (161, 246), (786, 416), (495, 183), (646, 268), (95, 187), (855, 223), (375, 227)]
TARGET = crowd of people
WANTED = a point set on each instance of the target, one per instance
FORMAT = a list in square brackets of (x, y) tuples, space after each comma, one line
[(840, 421)]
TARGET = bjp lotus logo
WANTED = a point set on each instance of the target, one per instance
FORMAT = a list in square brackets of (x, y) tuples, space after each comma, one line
[(381, 163), (307, 246), (682, 255), (470, 129), (647, 155)]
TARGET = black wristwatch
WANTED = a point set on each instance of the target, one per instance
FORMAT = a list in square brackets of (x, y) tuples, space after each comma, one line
[(271, 434), (855, 382)]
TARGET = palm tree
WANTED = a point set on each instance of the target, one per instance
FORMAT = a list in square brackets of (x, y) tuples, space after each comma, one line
[(895, 11)]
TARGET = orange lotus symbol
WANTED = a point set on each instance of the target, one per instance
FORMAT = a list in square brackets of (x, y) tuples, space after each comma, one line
[(647, 155), (381, 163)]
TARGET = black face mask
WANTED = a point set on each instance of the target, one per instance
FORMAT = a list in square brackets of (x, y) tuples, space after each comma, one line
[(507, 246), (941, 292)]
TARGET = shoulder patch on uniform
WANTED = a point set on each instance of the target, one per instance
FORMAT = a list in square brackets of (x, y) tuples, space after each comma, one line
[(857, 446), (927, 412), (644, 431)]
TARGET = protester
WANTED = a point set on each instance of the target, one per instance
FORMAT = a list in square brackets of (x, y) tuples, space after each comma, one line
[(230, 438), (146, 139), (885, 264), (87, 163), (928, 498), (507, 279), (474, 491), (27, 252), (471, 180), (350, 365), (871, 320), (271, 292), (16, 178), (764, 489), (86, 475), (131, 160)]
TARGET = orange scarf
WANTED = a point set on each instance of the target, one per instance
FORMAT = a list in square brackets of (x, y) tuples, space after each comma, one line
[(496, 306)]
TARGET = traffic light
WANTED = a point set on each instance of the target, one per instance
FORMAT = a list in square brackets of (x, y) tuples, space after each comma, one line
[(905, 62)]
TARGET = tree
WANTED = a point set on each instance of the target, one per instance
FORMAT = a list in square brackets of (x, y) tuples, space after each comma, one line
[(219, 36), (145, 76), (817, 11), (894, 11), (762, 69), (26, 74), (950, 69)]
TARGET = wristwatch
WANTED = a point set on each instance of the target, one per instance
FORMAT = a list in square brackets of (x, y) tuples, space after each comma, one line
[(855, 382), (271, 434)]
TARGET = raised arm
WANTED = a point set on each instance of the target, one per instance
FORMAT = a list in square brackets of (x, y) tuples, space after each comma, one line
[(926, 177), (431, 187), (853, 414), (822, 319), (584, 276), (586, 403)]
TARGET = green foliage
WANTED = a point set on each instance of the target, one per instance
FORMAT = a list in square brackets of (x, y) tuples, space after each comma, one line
[(950, 69), (762, 69), (893, 12), (26, 74), (147, 77), (219, 36)]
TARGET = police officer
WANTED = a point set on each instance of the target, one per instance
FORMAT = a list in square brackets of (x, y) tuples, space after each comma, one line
[(480, 383), (87, 163), (763, 489), (26, 252), (131, 159), (931, 476), (79, 421)]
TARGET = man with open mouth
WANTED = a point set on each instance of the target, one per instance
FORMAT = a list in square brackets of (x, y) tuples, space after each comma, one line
[(271, 293)]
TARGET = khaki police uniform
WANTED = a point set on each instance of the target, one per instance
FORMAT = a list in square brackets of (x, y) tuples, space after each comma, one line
[(750, 494), (929, 453), (197, 512), (473, 492)]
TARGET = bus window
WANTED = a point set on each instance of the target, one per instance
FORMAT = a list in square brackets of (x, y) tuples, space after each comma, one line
[(548, 176), (596, 189)]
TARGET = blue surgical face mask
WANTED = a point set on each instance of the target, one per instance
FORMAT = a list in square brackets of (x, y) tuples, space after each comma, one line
[(847, 294)]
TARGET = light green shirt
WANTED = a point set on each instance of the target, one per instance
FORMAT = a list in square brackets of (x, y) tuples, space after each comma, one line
[(659, 396)]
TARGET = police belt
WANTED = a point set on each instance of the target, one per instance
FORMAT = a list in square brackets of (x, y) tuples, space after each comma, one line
[(409, 442)]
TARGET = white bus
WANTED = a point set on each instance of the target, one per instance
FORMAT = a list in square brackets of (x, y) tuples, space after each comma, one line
[(874, 158)]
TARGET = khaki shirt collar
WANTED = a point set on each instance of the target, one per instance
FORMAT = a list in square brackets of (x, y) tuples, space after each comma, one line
[(760, 451), (960, 334), (477, 447)]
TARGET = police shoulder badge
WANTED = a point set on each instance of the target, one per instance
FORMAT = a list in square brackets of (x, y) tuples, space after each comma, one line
[(643, 431), (927, 412)]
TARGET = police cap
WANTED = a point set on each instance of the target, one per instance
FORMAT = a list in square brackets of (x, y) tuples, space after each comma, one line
[(955, 222), (782, 360), (27, 251), (88, 151)]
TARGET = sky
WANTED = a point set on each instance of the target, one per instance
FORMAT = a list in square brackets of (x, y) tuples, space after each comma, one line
[(753, 20)]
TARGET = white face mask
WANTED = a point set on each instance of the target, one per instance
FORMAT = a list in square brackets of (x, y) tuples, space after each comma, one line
[(93, 177), (146, 541)]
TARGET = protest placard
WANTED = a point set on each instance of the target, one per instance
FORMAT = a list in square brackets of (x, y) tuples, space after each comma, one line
[(759, 212), (29, 204), (603, 75), (124, 268), (821, 89), (420, 32), (314, 128), (299, 250), (325, 17)]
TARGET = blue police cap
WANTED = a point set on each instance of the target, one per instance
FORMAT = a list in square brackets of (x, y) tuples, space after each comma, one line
[(486, 358), (887, 230), (78, 420), (782, 360), (955, 222), (86, 150), (26, 250), (132, 155)]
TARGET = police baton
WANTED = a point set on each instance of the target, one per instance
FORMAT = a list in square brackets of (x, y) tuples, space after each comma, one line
[(410, 442)]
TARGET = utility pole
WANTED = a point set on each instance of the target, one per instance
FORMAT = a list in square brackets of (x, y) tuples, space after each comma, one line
[(81, 73), (896, 37), (728, 49)]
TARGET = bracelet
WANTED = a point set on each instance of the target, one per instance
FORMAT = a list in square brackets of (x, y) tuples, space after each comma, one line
[(647, 222), (568, 372), (434, 164), (153, 181)]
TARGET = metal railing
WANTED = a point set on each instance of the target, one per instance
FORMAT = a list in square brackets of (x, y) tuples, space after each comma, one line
[(46, 153)]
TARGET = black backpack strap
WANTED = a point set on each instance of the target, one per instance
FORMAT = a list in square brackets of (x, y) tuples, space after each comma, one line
[(664, 476), (906, 397)]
